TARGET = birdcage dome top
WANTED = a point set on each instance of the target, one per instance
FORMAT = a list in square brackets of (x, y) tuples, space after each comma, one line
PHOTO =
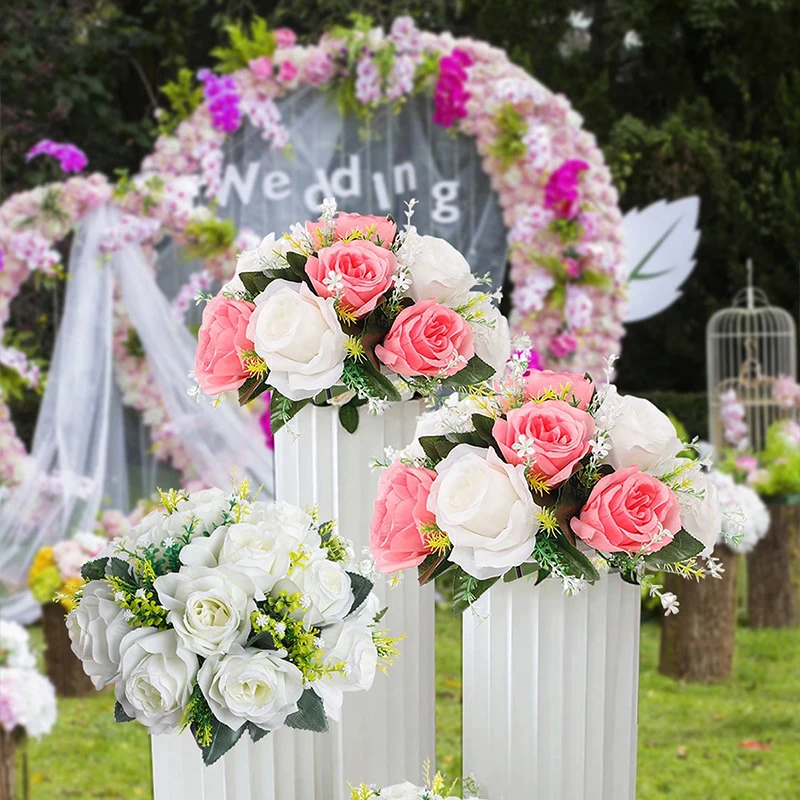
[(751, 314)]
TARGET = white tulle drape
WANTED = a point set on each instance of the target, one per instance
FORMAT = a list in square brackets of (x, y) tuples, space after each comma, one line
[(81, 460)]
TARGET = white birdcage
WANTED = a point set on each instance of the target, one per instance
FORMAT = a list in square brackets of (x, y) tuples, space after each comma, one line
[(749, 347)]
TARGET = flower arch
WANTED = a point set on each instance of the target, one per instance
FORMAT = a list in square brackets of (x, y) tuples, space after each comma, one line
[(560, 209)]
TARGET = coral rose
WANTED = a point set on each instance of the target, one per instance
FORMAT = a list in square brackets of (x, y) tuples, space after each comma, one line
[(400, 509), (425, 339), (575, 388), (629, 511), (221, 341), (366, 272), (380, 230), (557, 434)]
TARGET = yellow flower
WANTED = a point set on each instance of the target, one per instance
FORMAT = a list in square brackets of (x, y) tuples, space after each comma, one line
[(67, 595)]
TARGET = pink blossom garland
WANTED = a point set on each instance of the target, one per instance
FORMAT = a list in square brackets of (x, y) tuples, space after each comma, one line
[(450, 97)]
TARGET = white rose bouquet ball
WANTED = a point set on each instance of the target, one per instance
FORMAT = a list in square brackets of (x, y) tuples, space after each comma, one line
[(227, 615), (350, 310)]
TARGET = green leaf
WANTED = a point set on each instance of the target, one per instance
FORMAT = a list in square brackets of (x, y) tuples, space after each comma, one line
[(252, 388), (467, 437), (442, 565), (361, 588), (262, 641), (119, 713), (466, 590), (475, 372), (282, 409), (254, 282), (94, 570), (577, 563), (483, 427), (378, 384), (222, 739), (117, 568), (256, 733), (297, 264), (683, 546), (436, 447), (348, 416), (310, 714)]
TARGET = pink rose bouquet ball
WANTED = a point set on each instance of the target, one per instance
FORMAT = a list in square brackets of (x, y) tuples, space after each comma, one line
[(399, 516), (427, 339), (349, 311), (629, 511), (222, 339)]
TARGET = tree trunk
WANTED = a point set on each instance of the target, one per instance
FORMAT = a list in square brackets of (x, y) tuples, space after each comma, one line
[(773, 572), (697, 643), (8, 766), (62, 666)]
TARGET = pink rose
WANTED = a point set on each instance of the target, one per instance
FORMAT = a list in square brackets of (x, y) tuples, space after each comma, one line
[(424, 340), (626, 512), (284, 37), (380, 230), (288, 71), (261, 67), (366, 271), (558, 434), (578, 389), (399, 511), (222, 338)]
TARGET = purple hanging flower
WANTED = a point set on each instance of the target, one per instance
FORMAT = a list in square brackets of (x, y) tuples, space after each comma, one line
[(450, 97), (223, 100), (70, 157), (561, 194)]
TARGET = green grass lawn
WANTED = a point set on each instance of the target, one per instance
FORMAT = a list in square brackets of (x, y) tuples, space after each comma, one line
[(690, 736)]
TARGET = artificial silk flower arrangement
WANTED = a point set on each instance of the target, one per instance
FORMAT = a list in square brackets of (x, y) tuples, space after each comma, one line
[(226, 615), (349, 310), (435, 788), (552, 475)]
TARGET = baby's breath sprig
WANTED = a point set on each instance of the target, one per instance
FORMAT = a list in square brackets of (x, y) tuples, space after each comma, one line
[(140, 608)]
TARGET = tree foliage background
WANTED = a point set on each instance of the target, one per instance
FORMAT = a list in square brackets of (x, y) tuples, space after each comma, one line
[(708, 104)]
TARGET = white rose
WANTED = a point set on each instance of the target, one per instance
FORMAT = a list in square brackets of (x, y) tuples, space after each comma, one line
[(639, 434), (209, 608), (486, 508), (300, 338), (402, 791), (269, 250), (96, 629), (250, 685), (289, 519), (29, 699), (744, 513), (701, 511), (492, 338), (439, 271), (327, 585), (157, 678), (348, 642)]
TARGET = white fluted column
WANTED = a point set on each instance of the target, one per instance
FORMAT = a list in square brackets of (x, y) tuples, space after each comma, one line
[(386, 733), (551, 691)]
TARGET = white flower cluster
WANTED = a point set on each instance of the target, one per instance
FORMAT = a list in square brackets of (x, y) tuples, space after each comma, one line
[(232, 586), (28, 700), (745, 519), (409, 791)]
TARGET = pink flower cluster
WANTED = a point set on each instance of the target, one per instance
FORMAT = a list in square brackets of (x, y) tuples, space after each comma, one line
[(787, 392), (34, 249), (223, 100), (450, 96), (70, 157), (562, 195), (187, 294), (17, 360), (734, 422), (368, 80), (130, 229)]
